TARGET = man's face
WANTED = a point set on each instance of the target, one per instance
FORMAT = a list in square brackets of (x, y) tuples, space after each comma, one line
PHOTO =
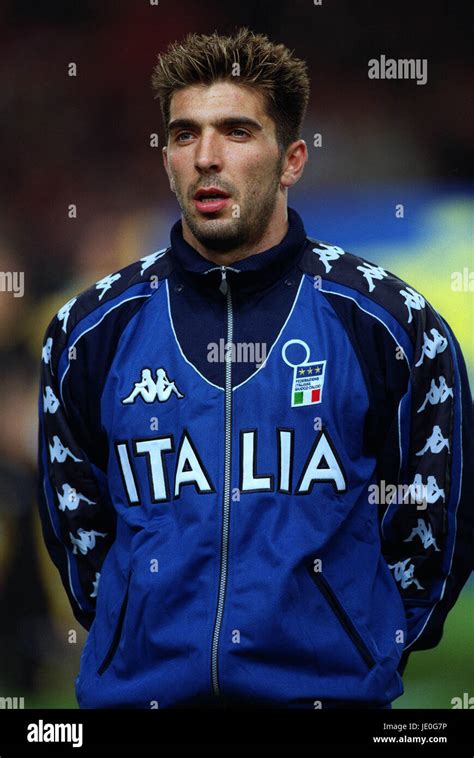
[(221, 137)]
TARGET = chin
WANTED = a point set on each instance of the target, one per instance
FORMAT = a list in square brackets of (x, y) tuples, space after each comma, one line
[(223, 229)]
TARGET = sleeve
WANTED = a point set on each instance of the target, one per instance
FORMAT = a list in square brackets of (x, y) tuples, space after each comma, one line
[(427, 528), (77, 517)]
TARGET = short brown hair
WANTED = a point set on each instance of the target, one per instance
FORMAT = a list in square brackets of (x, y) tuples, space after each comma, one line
[(263, 65)]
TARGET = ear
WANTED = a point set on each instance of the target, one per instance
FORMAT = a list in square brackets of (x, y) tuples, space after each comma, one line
[(295, 158), (167, 169)]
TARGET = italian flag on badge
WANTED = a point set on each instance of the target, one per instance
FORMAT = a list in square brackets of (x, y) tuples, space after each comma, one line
[(308, 382)]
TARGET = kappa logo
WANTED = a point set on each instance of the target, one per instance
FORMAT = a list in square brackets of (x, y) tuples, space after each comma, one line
[(63, 313), (46, 351), (405, 575), (71, 499), (106, 283), (432, 346), (50, 401), (95, 585), (425, 532), (85, 540), (150, 389), (308, 377), (57, 451), (436, 394)]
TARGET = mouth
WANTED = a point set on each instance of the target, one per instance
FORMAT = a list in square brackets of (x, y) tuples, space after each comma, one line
[(210, 199)]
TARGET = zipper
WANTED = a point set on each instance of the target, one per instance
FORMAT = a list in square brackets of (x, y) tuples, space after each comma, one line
[(225, 289), (223, 286), (117, 632), (327, 591)]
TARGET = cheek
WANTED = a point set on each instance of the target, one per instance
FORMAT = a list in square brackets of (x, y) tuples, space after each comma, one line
[(178, 166), (257, 175), (253, 164)]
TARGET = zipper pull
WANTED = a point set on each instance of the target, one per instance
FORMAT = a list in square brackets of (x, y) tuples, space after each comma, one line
[(223, 287)]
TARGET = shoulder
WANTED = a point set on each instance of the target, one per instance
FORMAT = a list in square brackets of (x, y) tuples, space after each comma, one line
[(371, 288), (109, 302)]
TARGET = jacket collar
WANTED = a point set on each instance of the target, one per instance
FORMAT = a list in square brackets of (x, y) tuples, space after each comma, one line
[(253, 273)]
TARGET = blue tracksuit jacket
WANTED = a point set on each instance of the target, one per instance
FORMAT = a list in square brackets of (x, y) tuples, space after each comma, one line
[(253, 478)]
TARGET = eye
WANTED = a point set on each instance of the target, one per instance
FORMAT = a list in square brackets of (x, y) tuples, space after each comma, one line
[(243, 133), (182, 134)]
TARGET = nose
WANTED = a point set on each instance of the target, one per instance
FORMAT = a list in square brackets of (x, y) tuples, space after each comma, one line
[(207, 155)]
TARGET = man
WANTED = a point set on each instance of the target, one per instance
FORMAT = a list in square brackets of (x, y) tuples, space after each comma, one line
[(281, 532)]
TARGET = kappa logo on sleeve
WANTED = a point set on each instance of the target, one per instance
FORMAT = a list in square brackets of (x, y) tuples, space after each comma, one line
[(85, 540), (308, 377), (151, 389), (63, 313)]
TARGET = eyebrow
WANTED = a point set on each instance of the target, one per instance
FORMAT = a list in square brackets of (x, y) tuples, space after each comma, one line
[(186, 123)]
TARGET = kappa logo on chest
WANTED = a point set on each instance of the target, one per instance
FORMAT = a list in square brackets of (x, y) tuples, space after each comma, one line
[(151, 389)]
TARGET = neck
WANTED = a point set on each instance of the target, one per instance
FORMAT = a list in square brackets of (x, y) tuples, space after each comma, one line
[(273, 235)]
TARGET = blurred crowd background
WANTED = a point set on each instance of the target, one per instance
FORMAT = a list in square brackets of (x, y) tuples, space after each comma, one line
[(86, 140)]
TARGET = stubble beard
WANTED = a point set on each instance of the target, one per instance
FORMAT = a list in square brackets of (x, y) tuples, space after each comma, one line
[(233, 234)]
